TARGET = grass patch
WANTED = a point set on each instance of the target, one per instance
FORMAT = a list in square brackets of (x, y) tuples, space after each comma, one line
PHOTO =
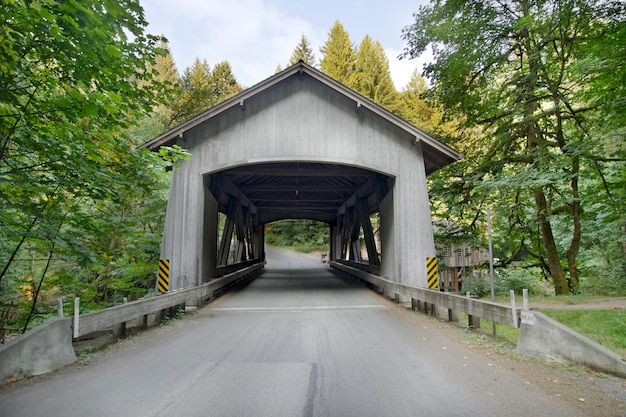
[(504, 333), (606, 327), (547, 299)]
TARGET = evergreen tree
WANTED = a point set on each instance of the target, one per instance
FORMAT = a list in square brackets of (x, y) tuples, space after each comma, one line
[(417, 110), (339, 58), (303, 52), (197, 93), (165, 76), (165, 67), (224, 82), (372, 77)]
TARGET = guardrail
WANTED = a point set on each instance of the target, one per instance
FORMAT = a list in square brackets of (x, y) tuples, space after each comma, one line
[(117, 316), (428, 300)]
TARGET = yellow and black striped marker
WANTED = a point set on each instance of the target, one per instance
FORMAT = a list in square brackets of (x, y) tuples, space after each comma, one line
[(164, 276), (431, 272)]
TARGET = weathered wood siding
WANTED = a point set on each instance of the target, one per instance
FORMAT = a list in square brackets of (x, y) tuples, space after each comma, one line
[(301, 119)]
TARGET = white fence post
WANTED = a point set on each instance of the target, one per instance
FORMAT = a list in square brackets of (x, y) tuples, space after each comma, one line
[(76, 317), (513, 310)]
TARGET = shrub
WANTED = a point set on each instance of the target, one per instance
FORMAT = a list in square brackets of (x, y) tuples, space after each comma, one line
[(518, 279), (477, 286)]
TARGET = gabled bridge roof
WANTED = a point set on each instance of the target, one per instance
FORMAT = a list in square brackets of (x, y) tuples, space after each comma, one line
[(304, 189), (436, 154)]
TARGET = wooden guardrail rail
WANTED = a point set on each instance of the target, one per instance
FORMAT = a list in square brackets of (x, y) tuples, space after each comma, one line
[(85, 324), (474, 308)]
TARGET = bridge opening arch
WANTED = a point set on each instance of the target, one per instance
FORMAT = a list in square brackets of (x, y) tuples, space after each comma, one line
[(250, 197)]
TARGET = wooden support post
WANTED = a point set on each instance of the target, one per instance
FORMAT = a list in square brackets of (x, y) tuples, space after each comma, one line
[(240, 228), (227, 233), (142, 321), (473, 322), (119, 330), (368, 232), (159, 316), (453, 315)]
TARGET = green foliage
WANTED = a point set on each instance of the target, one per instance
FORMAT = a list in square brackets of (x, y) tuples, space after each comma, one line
[(545, 135), (301, 235), (477, 286), (518, 279), (372, 78), (303, 52), (199, 89), (339, 58), (416, 108), (606, 327), (74, 189)]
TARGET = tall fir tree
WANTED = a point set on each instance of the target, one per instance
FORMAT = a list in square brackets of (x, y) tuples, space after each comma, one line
[(339, 58), (417, 110), (224, 83), (303, 52), (165, 75), (372, 77), (165, 67), (197, 90)]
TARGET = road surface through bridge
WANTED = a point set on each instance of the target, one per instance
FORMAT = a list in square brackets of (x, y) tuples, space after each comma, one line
[(299, 340)]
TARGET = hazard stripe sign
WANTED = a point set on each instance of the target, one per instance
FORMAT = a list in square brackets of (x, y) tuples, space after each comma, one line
[(163, 284), (431, 272)]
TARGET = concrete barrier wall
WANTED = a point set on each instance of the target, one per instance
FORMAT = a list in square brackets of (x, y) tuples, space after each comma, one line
[(479, 308), (549, 340), (41, 350), (49, 346), (103, 319), (545, 339)]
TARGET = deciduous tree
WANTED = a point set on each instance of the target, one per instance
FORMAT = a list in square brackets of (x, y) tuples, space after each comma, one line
[(70, 88), (511, 69)]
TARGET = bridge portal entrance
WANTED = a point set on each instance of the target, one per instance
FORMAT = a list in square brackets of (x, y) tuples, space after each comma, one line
[(300, 145), (342, 196)]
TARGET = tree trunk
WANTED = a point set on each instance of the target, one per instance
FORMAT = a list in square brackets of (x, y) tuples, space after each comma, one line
[(572, 251), (556, 270), (536, 147)]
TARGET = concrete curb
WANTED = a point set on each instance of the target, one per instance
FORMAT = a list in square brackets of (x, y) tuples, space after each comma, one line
[(43, 349), (546, 339)]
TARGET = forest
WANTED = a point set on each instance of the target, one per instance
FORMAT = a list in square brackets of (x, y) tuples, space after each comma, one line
[(532, 92)]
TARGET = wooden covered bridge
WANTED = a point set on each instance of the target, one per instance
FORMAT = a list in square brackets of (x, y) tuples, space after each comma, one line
[(300, 145)]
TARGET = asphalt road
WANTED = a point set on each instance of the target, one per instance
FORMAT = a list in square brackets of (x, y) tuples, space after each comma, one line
[(299, 340)]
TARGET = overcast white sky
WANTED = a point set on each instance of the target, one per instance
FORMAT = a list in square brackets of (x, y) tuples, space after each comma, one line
[(255, 36)]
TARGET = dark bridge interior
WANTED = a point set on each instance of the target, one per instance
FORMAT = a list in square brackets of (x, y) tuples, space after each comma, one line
[(315, 191)]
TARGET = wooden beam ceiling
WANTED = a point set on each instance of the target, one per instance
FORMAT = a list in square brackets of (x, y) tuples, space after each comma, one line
[(296, 190)]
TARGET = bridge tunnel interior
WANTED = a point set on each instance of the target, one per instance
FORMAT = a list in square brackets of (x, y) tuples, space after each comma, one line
[(345, 197)]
